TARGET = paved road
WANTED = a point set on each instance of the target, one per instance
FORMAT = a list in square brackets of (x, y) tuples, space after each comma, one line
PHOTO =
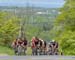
[(37, 57)]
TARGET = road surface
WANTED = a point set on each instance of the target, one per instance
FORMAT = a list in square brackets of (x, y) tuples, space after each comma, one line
[(37, 57)]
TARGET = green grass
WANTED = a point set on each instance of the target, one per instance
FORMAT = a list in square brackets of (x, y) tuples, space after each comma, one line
[(8, 51), (29, 51)]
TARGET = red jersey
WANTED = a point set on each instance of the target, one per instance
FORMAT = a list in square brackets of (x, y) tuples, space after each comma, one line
[(34, 42)]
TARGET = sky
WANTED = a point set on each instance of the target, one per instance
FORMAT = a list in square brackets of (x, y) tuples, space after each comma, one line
[(35, 3)]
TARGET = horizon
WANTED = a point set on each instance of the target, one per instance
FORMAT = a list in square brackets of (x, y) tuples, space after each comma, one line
[(34, 3)]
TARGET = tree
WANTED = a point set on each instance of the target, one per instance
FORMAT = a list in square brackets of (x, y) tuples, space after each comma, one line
[(8, 28), (65, 28)]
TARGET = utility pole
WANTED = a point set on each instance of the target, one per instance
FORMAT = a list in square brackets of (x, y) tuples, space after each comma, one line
[(23, 22)]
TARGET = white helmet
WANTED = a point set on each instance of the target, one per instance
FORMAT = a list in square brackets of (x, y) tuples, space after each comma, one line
[(41, 40), (53, 40)]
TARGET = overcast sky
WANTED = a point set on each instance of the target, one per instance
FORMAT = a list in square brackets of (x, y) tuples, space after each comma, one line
[(36, 3)]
